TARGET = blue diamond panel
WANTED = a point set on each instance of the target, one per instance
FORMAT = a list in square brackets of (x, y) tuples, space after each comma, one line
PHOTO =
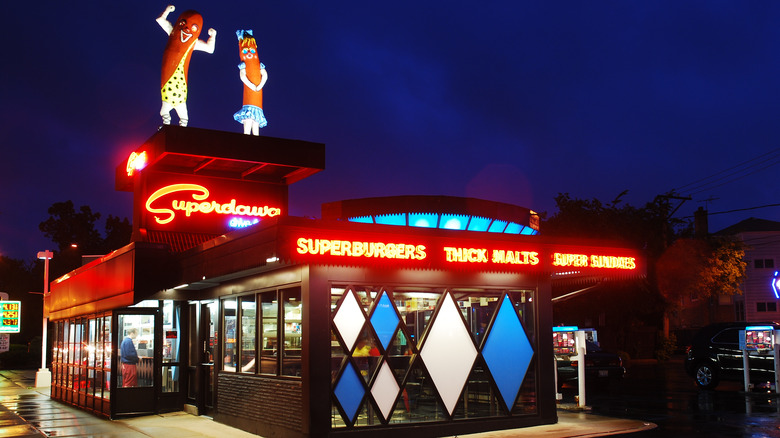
[(507, 352), (384, 320), (349, 391)]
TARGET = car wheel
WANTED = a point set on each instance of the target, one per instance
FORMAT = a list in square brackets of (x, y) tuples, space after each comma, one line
[(706, 376)]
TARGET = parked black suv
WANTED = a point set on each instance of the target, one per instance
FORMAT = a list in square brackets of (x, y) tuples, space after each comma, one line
[(715, 355)]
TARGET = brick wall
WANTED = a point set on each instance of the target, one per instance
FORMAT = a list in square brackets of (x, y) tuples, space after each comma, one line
[(274, 402)]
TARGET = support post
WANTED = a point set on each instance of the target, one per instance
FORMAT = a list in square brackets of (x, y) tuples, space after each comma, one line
[(581, 351), (43, 376)]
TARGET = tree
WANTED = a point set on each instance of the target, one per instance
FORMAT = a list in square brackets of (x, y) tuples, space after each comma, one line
[(645, 228), (118, 233), (74, 233), (19, 278), (701, 269), (66, 227), (629, 313)]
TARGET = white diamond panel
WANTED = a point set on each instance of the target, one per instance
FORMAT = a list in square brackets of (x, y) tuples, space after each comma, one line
[(349, 319), (448, 353), (385, 390)]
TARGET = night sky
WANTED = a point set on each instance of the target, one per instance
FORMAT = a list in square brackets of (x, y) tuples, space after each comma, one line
[(512, 101)]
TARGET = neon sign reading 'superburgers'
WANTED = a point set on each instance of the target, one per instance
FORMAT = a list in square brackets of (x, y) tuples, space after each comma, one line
[(193, 199), (446, 252)]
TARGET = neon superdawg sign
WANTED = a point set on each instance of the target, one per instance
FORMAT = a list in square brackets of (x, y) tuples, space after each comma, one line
[(190, 200)]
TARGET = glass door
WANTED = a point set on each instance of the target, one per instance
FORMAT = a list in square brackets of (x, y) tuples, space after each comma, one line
[(210, 313), (202, 349), (137, 357)]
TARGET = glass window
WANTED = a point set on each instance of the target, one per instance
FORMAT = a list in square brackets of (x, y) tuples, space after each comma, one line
[(213, 315), (99, 373), (269, 323), (248, 333), (292, 312), (171, 343), (79, 356), (230, 360), (727, 336), (760, 307), (89, 350), (136, 350), (81, 360), (107, 347), (771, 306)]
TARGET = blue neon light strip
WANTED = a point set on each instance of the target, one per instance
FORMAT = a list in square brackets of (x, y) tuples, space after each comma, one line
[(759, 327), (448, 222), (363, 219), (497, 226), (453, 221), (570, 328), (513, 228), (528, 231), (479, 223), (391, 219), (776, 284), (423, 220)]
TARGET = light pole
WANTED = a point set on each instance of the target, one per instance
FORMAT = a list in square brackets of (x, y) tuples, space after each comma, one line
[(43, 376)]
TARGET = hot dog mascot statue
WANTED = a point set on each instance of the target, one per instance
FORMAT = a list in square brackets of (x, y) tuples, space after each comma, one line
[(254, 76), (182, 41)]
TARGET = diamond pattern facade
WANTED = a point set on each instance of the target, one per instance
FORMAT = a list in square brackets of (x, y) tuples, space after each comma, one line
[(402, 374)]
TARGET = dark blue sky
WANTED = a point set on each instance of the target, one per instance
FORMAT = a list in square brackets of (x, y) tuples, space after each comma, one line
[(511, 101)]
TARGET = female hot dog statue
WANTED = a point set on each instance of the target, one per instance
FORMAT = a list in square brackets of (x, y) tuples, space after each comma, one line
[(182, 41), (254, 76)]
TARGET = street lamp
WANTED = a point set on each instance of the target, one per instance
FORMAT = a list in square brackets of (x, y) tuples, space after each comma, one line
[(43, 376)]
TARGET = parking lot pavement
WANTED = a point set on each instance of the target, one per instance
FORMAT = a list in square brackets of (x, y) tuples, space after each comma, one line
[(26, 411)]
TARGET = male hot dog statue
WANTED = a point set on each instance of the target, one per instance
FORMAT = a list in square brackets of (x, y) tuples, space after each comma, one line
[(182, 41)]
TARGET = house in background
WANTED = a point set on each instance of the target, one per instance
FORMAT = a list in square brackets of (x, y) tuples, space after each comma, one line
[(758, 302), (762, 240)]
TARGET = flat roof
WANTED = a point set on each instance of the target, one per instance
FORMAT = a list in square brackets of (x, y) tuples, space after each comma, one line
[(227, 155)]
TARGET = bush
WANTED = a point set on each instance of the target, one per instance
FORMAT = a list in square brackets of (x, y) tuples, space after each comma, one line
[(624, 356), (666, 347), (20, 357)]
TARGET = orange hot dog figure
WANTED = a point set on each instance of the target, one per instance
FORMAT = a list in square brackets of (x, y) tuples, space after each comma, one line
[(182, 41), (254, 76)]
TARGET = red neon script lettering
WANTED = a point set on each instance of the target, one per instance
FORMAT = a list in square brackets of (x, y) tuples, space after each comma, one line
[(200, 204)]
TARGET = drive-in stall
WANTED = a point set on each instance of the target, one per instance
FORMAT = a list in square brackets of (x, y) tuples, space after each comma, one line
[(419, 315)]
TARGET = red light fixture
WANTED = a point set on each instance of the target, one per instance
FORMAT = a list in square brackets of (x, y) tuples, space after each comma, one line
[(136, 162)]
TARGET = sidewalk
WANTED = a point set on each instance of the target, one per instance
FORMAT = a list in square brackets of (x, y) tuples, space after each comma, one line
[(30, 412)]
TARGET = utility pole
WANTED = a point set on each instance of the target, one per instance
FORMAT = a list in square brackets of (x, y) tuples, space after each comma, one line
[(665, 237)]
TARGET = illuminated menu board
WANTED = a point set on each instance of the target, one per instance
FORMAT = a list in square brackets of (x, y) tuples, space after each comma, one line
[(9, 316), (565, 340), (759, 338)]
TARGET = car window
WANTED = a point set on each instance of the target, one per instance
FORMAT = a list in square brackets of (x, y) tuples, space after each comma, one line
[(727, 336), (591, 347)]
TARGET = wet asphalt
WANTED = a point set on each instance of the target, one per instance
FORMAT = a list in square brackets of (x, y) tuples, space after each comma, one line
[(653, 393), (663, 394)]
